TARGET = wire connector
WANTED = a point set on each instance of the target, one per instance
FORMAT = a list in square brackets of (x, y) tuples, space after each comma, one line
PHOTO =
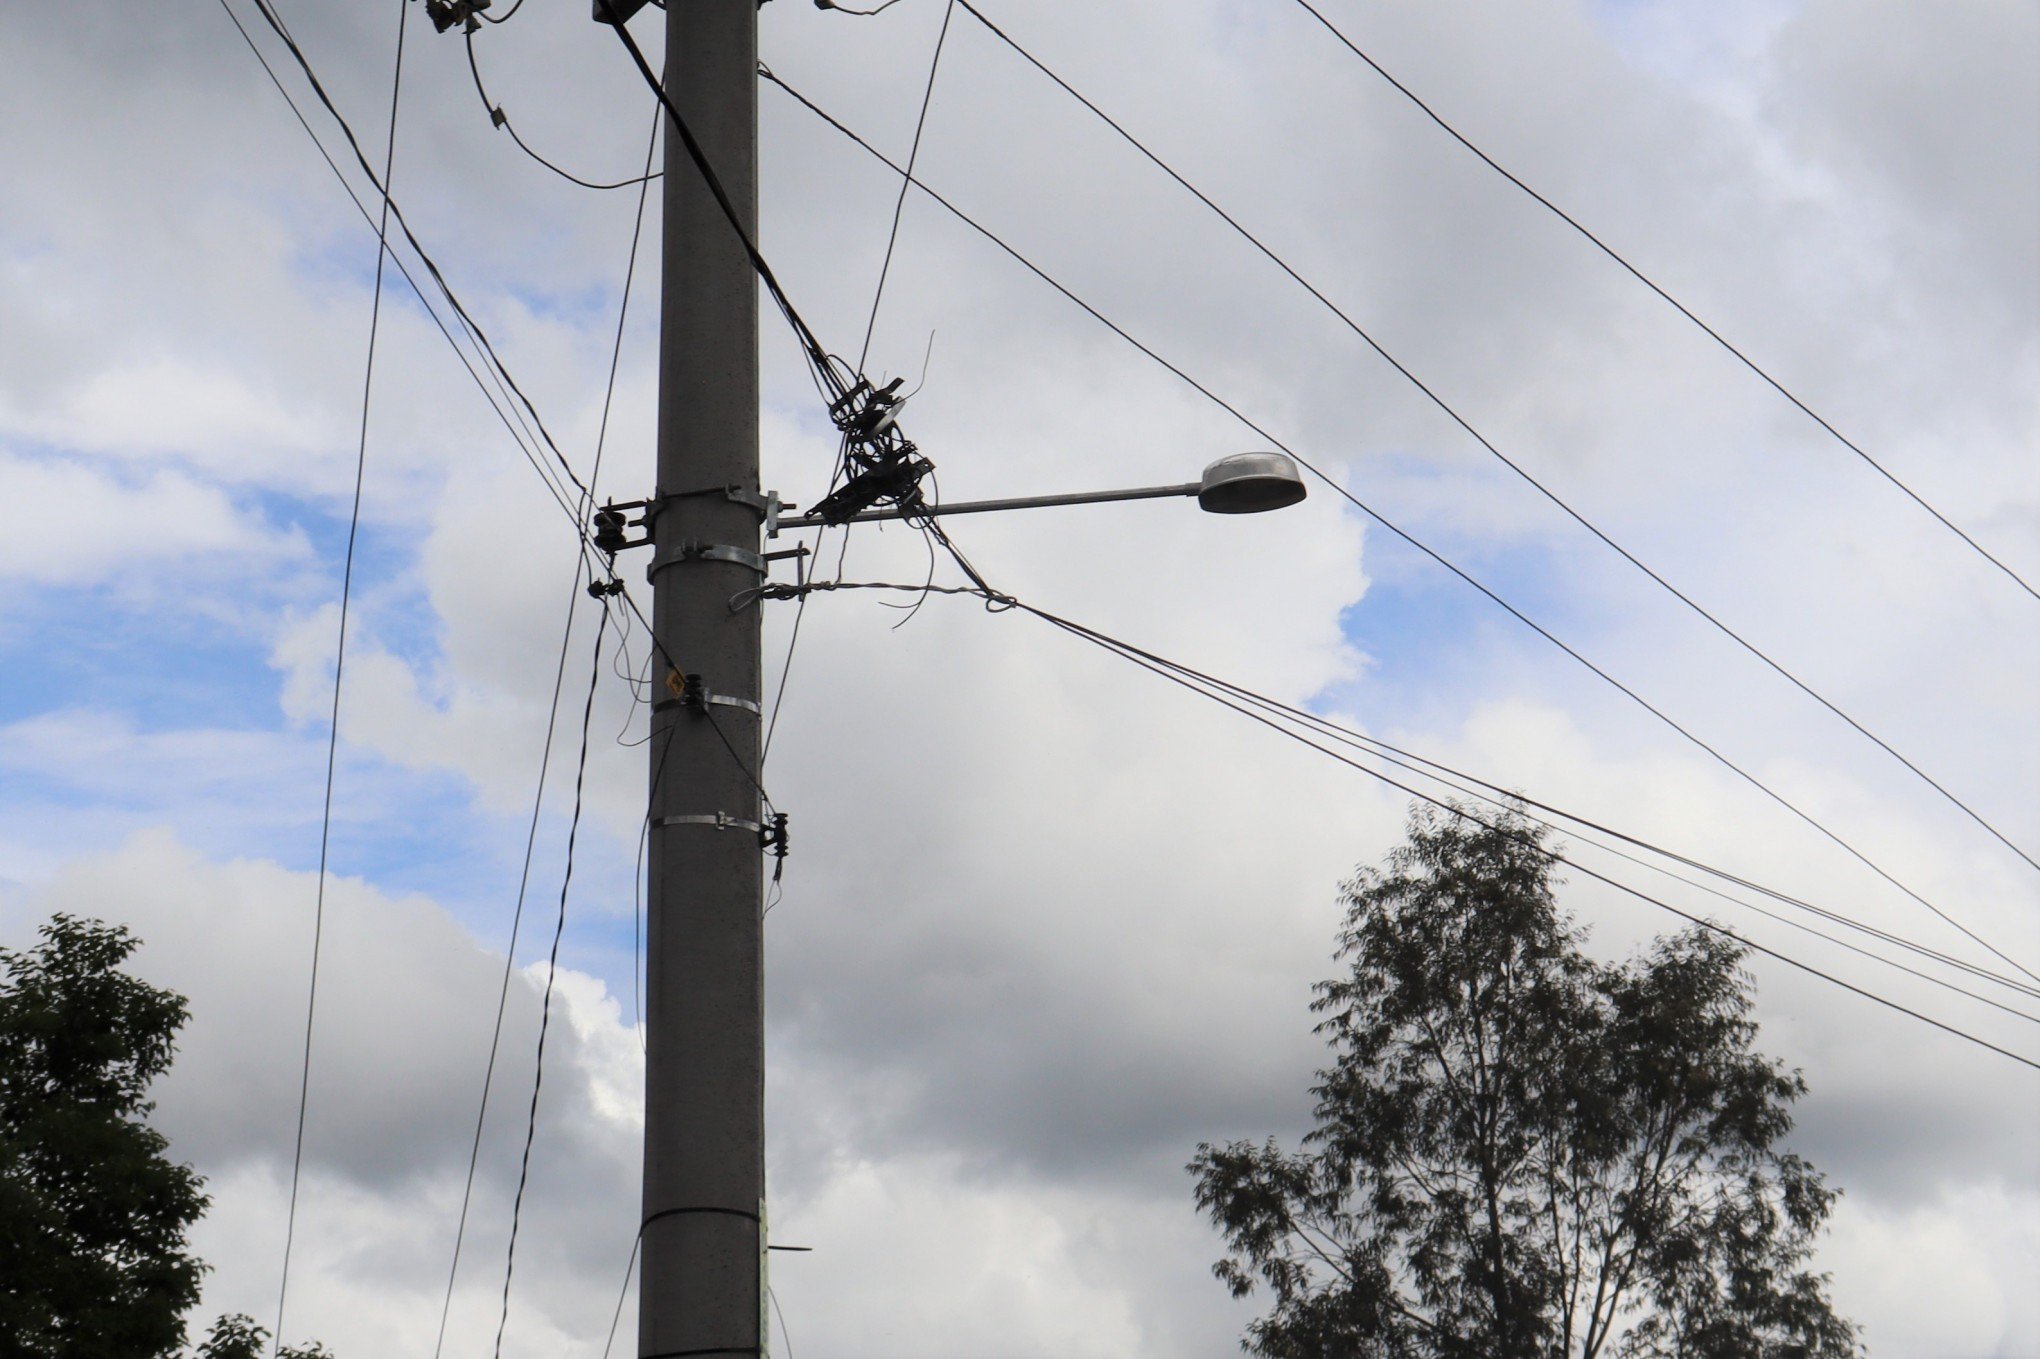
[(444, 14)]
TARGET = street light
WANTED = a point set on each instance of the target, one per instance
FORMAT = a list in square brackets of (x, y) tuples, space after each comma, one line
[(1240, 483)]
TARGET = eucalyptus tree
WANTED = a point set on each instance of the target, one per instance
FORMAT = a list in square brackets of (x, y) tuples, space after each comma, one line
[(1519, 1152)]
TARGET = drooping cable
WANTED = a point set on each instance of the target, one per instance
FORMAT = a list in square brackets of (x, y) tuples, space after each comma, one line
[(297, 1155), (521, 437), (1471, 786), (1676, 304), (1581, 828), (551, 972), (817, 354), (1576, 824), (906, 181), (1346, 494), (1127, 652), (1436, 399), (1554, 856), (629, 1272), (396, 212), (582, 570), (509, 959), (501, 118)]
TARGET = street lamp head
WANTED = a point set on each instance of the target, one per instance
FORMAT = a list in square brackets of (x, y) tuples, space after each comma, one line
[(1248, 483)]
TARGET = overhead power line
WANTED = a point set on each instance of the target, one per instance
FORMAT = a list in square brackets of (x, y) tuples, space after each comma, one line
[(817, 354), (1344, 493), (396, 212), (501, 118), (906, 181), (1453, 414), (297, 1155), (1182, 676), (509, 962), (1676, 304), (1445, 804), (526, 442), (545, 758), (1581, 828), (551, 972)]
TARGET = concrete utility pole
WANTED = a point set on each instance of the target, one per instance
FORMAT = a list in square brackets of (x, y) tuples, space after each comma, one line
[(702, 1277)]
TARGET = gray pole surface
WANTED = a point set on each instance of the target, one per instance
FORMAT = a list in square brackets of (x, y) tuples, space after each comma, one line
[(701, 1279)]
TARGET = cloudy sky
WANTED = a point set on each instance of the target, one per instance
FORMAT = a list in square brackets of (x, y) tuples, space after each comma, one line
[(1049, 923)]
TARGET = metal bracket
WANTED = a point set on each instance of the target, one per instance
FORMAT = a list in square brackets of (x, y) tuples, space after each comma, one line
[(719, 820), (766, 503), (723, 700), (613, 518), (711, 552), (691, 691)]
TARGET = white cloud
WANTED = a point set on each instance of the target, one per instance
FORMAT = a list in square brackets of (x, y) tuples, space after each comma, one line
[(73, 523), (1049, 922)]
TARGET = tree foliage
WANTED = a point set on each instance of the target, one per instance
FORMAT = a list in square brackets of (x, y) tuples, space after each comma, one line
[(1519, 1151), (93, 1213)]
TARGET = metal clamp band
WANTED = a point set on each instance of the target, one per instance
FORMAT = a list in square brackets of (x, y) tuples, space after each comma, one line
[(711, 552), (719, 820), (765, 503), (725, 700)]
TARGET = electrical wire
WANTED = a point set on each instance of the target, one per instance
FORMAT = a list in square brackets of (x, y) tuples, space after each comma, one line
[(629, 1272), (509, 958), (481, 339), (582, 570), (1554, 856), (551, 972), (1453, 414), (1169, 671), (817, 354), (297, 1155), (1344, 493), (1471, 786), (906, 180), (522, 437), (784, 1334), (501, 118), (497, 371), (1581, 828), (1677, 305)]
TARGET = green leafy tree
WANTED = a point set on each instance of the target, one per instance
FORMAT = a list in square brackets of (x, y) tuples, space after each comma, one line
[(238, 1337), (93, 1214), (1521, 1153)]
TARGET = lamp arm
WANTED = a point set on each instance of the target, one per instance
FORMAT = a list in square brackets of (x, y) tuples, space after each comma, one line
[(1033, 502)]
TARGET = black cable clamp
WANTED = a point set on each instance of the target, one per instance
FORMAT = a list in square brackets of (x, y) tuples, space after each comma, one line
[(693, 692), (604, 589), (772, 839), (444, 14)]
